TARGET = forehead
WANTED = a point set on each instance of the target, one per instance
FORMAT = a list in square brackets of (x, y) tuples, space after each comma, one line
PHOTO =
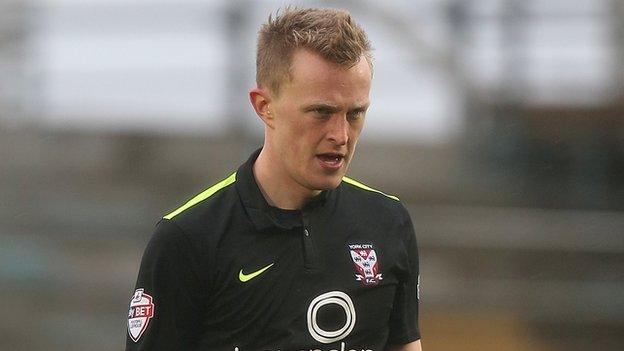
[(311, 74)]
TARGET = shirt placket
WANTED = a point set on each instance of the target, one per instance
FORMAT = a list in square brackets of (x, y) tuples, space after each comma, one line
[(310, 253)]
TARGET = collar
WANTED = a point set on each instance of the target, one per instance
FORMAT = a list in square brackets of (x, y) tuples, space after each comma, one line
[(263, 215)]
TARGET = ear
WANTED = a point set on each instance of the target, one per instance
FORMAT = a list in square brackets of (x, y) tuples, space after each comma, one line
[(261, 102)]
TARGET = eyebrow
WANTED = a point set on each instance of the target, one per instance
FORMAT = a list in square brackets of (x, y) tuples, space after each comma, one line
[(333, 108), (321, 106)]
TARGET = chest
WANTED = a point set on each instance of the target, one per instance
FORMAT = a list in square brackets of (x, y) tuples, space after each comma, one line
[(319, 284)]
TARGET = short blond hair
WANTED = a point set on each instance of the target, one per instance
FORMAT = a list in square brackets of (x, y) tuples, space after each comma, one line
[(332, 33)]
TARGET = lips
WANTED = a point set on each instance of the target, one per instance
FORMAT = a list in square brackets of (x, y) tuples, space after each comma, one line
[(331, 160)]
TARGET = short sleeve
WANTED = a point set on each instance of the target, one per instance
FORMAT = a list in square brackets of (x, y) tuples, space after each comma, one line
[(165, 309), (404, 318)]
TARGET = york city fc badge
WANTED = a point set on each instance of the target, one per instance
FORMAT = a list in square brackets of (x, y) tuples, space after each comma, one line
[(139, 314), (366, 263)]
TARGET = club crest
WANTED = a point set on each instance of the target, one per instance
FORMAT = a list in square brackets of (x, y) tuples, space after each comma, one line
[(366, 263), (139, 314)]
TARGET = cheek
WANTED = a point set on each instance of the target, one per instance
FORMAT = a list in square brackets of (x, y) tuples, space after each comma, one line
[(292, 142), (355, 132), (302, 134)]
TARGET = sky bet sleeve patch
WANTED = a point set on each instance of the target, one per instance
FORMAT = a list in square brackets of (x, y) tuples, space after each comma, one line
[(139, 314)]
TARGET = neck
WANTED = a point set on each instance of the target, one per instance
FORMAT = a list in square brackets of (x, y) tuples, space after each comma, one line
[(277, 187)]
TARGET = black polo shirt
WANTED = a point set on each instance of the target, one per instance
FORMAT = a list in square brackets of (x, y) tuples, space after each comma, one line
[(226, 271)]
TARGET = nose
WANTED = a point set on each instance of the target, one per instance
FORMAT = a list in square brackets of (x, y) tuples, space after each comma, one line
[(338, 130)]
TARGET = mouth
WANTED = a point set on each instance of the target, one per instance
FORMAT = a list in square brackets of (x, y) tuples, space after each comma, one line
[(330, 160)]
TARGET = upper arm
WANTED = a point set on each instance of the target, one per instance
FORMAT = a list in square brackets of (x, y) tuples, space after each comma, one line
[(404, 316), (168, 279)]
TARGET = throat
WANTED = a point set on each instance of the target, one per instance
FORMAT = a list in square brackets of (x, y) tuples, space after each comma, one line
[(278, 189)]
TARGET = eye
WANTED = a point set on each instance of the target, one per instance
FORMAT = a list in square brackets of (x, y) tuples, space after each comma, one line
[(355, 115), (322, 112)]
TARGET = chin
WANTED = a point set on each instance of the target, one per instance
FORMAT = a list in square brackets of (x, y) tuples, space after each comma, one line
[(326, 182)]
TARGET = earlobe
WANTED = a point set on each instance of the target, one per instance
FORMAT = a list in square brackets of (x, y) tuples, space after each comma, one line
[(260, 101)]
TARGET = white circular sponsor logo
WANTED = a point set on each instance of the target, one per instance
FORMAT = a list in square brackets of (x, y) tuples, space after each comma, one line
[(331, 298)]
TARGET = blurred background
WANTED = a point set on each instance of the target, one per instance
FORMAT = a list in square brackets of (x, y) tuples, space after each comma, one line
[(499, 123)]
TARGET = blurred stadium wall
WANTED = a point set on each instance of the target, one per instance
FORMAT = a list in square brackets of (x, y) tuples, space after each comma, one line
[(500, 123)]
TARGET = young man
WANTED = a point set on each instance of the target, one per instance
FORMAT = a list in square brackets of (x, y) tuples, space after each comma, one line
[(287, 253)]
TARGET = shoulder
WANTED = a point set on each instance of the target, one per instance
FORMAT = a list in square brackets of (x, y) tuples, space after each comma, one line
[(372, 200), (191, 232), (203, 198), (209, 209), (359, 186)]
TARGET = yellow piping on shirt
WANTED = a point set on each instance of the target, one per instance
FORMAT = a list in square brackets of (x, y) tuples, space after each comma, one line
[(203, 195), (366, 187)]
